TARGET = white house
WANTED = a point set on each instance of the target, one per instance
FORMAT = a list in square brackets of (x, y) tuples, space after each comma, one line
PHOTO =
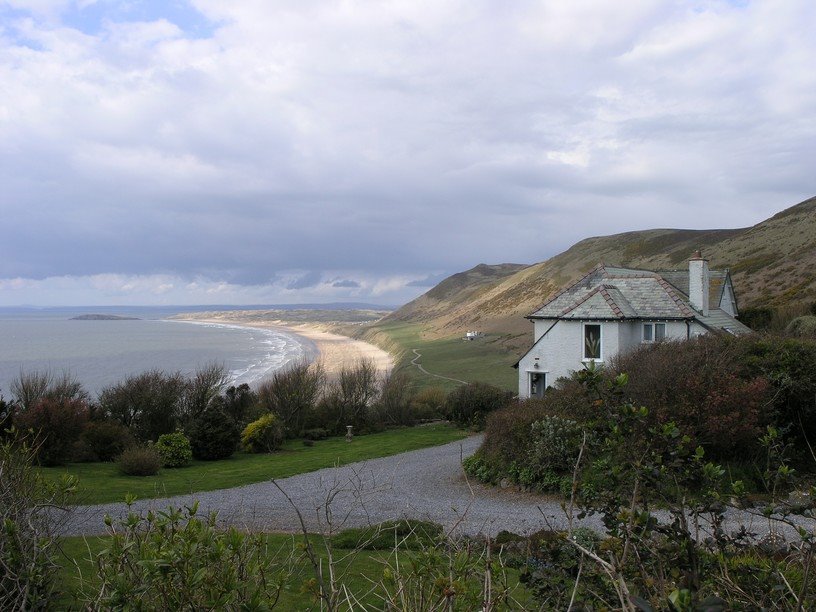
[(614, 309)]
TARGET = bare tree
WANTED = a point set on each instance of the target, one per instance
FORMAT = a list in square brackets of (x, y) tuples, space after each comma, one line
[(291, 393), (206, 383)]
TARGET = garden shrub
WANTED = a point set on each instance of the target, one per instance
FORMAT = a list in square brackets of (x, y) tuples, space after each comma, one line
[(175, 560), (56, 424), (393, 406), (555, 442), (107, 439), (291, 393), (698, 384), (469, 405), (241, 403), (174, 450), (140, 461), (264, 435), (316, 433), (214, 435), (429, 404), (29, 546), (149, 404)]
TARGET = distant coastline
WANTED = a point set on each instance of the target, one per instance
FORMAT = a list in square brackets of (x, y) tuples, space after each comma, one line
[(103, 317)]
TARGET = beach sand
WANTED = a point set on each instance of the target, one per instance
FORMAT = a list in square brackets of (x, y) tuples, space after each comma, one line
[(334, 351)]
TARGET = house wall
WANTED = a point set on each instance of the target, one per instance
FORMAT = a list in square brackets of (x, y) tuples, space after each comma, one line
[(560, 352)]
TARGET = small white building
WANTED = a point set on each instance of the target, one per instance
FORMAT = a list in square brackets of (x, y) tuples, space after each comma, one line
[(613, 309)]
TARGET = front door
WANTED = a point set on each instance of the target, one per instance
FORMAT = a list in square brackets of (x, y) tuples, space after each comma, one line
[(537, 383)]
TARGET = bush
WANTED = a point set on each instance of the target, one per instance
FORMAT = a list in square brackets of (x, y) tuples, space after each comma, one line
[(174, 560), (555, 442), (393, 406), (429, 404), (263, 436), (470, 404), (241, 403), (214, 435), (803, 326), (56, 424), (29, 548), (318, 433), (349, 399), (174, 450), (201, 389), (106, 440), (291, 393), (149, 404), (699, 385), (140, 461)]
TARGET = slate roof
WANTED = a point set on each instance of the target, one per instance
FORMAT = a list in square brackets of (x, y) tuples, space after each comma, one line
[(614, 293), (680, 280)]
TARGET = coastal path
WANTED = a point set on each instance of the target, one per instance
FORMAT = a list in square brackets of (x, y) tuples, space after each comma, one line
[(415, 362)]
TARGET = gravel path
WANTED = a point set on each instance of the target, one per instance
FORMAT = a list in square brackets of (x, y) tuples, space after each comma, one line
[(425, 484)]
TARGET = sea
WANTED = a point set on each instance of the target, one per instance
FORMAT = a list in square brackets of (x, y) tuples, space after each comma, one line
[(99, 353)]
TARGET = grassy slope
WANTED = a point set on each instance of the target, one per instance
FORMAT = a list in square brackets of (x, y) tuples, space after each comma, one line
[(772, 263), (483, 360), (102, 482)]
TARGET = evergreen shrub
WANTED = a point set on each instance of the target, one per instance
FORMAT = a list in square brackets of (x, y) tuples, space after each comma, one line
[(469, 405), (174, 450), (214, 435), (106, 440), (264, 435)]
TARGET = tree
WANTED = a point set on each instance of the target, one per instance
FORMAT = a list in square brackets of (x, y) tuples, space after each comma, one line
[(291, 393), (148, 403), (206, 383)]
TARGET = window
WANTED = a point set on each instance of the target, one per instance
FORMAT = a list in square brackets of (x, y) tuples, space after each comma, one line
[(654, 332), (592, 341), (537, 383)]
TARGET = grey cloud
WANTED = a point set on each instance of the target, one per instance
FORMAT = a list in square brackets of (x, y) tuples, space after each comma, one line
[(346, 283), (310, 279), (394, 142)]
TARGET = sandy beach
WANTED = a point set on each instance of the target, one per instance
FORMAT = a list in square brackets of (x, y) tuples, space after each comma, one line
[(334, 351)]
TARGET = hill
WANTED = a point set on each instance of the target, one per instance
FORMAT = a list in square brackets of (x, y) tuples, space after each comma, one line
[(772, 264)]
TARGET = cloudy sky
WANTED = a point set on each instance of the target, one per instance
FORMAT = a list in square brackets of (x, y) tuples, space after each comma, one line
[(274, 151)]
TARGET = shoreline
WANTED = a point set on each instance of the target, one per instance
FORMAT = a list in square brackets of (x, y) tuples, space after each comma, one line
[(334, 351)]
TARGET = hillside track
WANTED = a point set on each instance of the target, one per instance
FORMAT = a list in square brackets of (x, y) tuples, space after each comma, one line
[(415, 362)]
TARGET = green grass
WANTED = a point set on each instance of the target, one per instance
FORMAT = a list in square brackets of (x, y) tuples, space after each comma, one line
[(481, 360), (358, 571), (102, 482)]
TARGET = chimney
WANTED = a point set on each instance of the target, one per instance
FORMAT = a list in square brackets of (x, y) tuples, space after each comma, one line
[(698, 283)]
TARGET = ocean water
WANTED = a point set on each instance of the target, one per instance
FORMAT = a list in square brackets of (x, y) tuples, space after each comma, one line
[(100, 353)]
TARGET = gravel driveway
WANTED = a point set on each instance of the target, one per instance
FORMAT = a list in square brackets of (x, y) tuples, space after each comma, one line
[(424, 484)]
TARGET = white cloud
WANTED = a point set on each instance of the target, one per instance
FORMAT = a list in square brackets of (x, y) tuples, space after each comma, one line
[(381, 138)]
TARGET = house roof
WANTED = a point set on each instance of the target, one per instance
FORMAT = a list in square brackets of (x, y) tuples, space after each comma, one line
[(680, 280), (611, 292)]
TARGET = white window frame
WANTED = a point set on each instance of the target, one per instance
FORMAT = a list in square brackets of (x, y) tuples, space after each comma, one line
[(652, 325), (584, 358)]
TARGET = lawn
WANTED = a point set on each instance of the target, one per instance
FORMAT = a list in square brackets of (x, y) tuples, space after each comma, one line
[(359, 570), (102, 482), (480, 360)]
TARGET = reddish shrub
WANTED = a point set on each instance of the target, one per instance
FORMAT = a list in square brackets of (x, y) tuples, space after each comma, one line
[(697, 385), (57, 424)]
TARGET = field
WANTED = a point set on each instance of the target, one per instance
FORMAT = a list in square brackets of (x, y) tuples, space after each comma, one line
[(480, 360), (103, 483)]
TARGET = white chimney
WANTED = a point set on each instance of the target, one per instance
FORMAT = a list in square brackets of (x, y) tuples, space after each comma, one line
[(698, 283)]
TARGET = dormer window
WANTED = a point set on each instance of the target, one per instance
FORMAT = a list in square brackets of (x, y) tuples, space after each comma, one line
[(654, 332)]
